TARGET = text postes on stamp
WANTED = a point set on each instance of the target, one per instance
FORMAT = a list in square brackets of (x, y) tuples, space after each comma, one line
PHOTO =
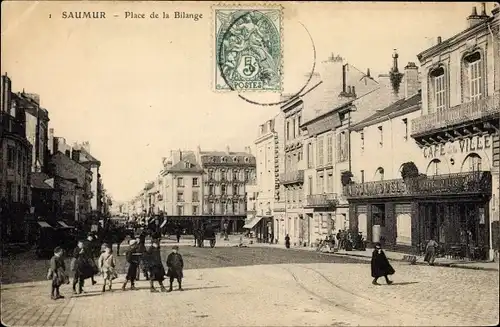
[(248, 49)]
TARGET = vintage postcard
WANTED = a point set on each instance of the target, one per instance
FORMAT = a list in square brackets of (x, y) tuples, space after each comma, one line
[(249, 163)]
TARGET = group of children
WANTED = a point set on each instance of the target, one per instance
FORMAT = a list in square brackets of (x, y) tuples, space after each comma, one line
[(107, 268)]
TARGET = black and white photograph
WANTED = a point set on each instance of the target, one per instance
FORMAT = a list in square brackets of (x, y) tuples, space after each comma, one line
[(249, 163)]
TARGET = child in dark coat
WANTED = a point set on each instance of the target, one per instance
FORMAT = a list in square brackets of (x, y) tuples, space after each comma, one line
[(380, 265), (57, 273), (175, 265), (156, 270), (133, 258)]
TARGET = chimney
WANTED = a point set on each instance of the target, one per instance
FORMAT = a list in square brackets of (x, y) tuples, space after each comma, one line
[(395, 76), (494, 11), (368, 73), (75, 155), (227, 149), (483, 9), (344, 78), (474, 18), (411, 80), (349, 90), (6, 91), (439, 40), (353, 90), (180, 154), (50, 141)]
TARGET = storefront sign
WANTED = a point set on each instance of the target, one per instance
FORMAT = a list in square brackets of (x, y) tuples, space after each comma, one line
[(392, 187), (465, 146)]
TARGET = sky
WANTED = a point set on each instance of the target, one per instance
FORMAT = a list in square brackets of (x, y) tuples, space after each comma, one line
[(138, 88)]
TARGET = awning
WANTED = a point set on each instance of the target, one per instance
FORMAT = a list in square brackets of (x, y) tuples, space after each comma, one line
[(44, 224), (63, 224), (253, 222)]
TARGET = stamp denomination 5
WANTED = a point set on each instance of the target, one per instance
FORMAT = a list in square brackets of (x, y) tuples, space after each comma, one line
[(248, 49)]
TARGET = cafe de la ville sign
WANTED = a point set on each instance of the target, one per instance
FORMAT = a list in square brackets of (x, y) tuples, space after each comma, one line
[(478, 143)]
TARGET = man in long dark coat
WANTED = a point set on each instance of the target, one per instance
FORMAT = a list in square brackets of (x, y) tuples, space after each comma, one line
[(156, 270), (380, 265), (175, 266)]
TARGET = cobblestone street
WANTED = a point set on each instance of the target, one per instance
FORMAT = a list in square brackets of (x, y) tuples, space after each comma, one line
[(294, 288)]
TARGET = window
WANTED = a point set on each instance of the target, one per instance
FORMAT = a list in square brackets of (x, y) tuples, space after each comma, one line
[(195, 181), (223, 189), (180, 196), (299, 156), (187, 165), (434, 167), (180, 210), (195, 210), (235, 190), (329, 149), (343, 147), (381, 135), (310, 185), (405, 122), (309, 155), (235, 174), (320, 151), (211, 189), (319, 183), (19, 161), (288, 130), (379, 174), (299, 122), (362, 176), (11, 157), (472, 77), (234, 207), (329, 183), (471, 163), (195, 196), (25, 191), (210, 174), (362, 137), (180, 182), (438, 90), (294, 128)]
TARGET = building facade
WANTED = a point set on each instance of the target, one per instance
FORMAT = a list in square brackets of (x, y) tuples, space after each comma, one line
[(225, 177), (264, 190), (292, 220), (447, 174), (182, 185), (81, 154), (15, 165), (37, 124)]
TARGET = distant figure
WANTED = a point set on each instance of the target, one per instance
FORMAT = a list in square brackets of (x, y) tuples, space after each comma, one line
[(380, 265), (175, 265), (178, 234), (287, 241), (430, 251)]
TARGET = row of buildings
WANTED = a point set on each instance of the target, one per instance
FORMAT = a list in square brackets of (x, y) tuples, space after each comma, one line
[(42, 179), (205, 184), (401, 157)]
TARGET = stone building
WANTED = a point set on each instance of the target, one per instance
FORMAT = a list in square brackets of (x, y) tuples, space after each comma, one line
[(15, 165), (37, 130), (225, 177), (81, 154)]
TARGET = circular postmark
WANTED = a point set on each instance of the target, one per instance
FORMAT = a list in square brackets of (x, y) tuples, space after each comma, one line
[(252, 62)]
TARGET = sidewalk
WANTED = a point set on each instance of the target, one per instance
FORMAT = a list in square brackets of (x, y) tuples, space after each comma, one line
[(397, 256)]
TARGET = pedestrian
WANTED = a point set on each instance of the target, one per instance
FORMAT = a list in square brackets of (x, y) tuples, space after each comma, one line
[(107, 267), (91, 252), (57, 273), (339, 239), (287, 241), (80, 267), (156, 269), (380, 265), (175, 266), (430, 251), (178, 234), (143, 262), (133, 258), (332, 243)]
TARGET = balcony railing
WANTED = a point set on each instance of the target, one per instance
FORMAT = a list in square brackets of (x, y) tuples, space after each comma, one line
[(296, 176), (478, 182), (461, 113), (322, 200)]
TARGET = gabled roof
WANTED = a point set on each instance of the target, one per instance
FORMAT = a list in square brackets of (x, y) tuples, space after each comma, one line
[(186, 164), (38, 180), (391, 110), (67, 168)]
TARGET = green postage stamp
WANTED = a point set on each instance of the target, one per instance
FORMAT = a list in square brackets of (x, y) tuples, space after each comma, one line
[(248, 49)]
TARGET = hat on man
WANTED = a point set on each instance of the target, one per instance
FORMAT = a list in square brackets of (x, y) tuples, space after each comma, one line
[(175, 247), (378, 246)]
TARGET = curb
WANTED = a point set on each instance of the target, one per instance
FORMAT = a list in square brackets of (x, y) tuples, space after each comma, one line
[(448, 265)]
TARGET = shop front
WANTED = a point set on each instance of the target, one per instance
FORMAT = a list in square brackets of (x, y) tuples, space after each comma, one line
[(404, 215)]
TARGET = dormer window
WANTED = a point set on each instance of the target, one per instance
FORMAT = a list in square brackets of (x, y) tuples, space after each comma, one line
[(247, 160), (472, 77), (235, 159), (187, 165), (224, 159), (438, 94)]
